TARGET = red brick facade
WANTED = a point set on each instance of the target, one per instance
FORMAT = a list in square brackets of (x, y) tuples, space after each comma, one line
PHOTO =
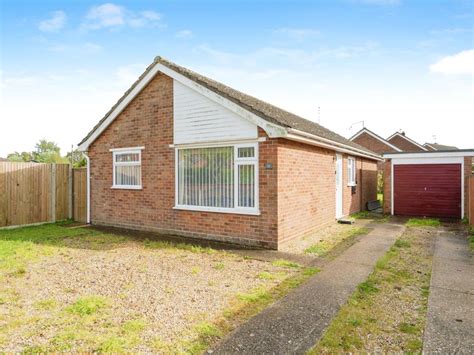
[(296, 196)]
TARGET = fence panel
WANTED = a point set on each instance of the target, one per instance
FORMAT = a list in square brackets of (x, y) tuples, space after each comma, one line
[(33, 193), (80, 194)]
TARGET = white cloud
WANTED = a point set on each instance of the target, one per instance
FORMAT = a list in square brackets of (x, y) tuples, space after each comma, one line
[(110, 15), (53, 24), (184, 34), (17, 80), (460, 63), (298, 34)]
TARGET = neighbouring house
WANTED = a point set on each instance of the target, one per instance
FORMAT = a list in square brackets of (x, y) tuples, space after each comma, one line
[(374, 142), (181, 153), (405, 144), (428, 184), (435, 146)]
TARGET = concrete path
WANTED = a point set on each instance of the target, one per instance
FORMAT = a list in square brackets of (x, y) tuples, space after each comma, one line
[(295, 323), (450, 322)]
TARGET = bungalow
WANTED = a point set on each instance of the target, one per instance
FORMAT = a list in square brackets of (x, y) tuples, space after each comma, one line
[(181, 153)]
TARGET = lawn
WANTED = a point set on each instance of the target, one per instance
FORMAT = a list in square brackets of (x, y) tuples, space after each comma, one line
[(79, 289), (387, 312)]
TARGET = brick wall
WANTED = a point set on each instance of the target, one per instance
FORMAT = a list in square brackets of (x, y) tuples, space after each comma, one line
[(148, 122), (366, 189), (297, 195), (467, 177), (471, 201), (306, 188), (405, 145)]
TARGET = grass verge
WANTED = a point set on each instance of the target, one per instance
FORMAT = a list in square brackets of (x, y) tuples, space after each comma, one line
[(423, 222), (471, 239), (387, 312), (324, 246)]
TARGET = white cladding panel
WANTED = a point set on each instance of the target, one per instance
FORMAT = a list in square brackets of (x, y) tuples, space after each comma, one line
[(199, 119)]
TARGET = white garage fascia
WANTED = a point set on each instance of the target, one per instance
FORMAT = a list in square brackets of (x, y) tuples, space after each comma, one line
[(406, 160)]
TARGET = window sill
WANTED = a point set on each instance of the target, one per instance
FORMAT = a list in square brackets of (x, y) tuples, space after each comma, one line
[(351, 185), (251, 212), (118, 187)]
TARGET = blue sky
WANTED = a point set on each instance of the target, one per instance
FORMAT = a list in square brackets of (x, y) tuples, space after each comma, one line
[(395, 64)]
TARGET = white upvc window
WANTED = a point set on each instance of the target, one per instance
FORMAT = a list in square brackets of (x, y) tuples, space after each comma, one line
[(351, 172), (218, 178), (127, 168)]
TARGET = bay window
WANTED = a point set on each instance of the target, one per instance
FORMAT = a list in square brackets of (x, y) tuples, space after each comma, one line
[(220, 178)]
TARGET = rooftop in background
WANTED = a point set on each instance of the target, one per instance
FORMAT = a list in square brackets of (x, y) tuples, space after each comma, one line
[(440, 147)]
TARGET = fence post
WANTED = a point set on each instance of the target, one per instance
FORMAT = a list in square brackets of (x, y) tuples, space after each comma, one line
[(53, 192)]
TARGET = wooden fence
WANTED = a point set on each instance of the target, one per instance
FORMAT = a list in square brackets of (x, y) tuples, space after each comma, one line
[(34, 193), (79, 196)]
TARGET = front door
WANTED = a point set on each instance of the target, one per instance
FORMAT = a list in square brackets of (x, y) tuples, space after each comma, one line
[(339, 186)]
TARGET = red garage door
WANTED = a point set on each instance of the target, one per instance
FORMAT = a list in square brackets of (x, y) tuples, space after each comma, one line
[(431, 190)]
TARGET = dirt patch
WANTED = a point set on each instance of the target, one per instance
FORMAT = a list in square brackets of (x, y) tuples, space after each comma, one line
[(85, 298), (323, 241)]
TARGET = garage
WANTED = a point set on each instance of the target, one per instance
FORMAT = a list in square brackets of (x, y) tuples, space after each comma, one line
[(429, 190), (427, 184)]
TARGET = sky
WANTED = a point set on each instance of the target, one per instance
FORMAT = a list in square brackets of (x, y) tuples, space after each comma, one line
[(385, 64)]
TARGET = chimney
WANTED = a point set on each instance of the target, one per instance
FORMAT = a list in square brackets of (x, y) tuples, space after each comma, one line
[(402, 132)]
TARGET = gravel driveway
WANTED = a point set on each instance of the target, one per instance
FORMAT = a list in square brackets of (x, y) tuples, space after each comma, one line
[(167, 290)]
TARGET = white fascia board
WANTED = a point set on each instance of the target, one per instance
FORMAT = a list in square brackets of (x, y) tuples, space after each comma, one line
[(428, 155), (125, 149), (329, 145), (434, 160), (407, 139), (272, 130), (218, 143), (376, 137)]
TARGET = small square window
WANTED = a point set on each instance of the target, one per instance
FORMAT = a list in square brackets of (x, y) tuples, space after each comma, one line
[(246, 152)]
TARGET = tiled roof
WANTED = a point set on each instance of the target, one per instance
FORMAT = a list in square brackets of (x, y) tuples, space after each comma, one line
[(258, 107), (442, 147)]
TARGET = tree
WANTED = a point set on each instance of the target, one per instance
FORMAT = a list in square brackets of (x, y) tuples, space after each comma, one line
[(76, 158), (46, 152), (20, 157)]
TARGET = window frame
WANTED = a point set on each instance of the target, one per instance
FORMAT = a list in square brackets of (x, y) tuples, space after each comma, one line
[(237, 162), (119, 151), (351, 173)]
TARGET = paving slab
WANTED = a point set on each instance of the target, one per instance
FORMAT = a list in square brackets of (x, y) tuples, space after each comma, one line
[(295, 323), (450, 319)]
